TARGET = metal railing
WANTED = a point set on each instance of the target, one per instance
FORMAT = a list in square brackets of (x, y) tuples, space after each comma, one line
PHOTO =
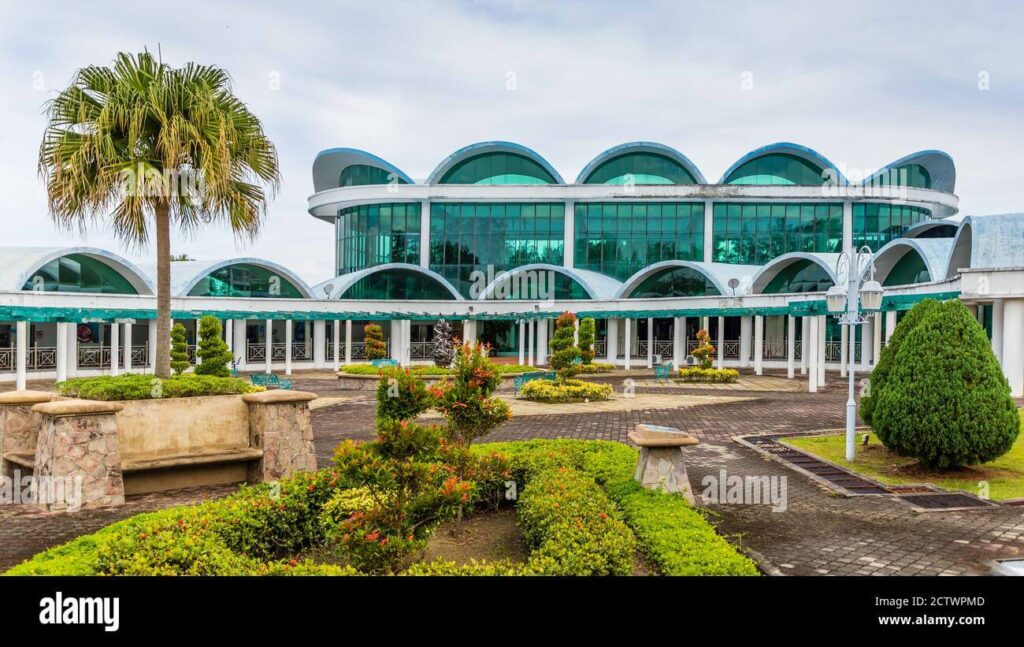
[(358, 350), (301, 352)]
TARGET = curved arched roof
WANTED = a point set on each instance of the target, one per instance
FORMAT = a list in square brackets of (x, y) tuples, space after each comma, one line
[(641, 147), (328, 165), (786, 148), (765, 275), (718, 273), (482, 148), (18, 264), (186, 274), (597, 286), (933, 251), (988, 242), (938, 163), (334, 288), (922, 228)]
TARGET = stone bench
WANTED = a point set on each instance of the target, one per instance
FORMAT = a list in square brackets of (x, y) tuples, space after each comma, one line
[(661, 466)]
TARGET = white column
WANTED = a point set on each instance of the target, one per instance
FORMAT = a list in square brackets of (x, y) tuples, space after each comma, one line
[(542, 342), (336, 344), (997, 329), (745, 325), (867, 336), (229, 337), (348, 341), (650, 342), (152, 341), (406, 342), (611, 344), (268, 344), (759, 345), (319, 343), (21, 340), (425, 233), (530, 327), (627, 339), (847, 224), (705, 323), (791, 346), (805, 332), (307, 338), (73, 349), (288, 347), (199, 360), (721, 342), (1013, 348), (876, 348), (240, 349), (62, 351), (709, 226), (844, 349), (115, 343), (127, 348), (810, 351), (890, 325), (569, 235), (677, 342), (822, 329), (522, 342)]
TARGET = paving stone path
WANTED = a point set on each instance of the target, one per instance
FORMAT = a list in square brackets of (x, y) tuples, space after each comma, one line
[(818, 533)]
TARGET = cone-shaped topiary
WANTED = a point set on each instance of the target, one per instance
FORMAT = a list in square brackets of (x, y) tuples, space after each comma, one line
[(945, 401), (885, 361), (212, 350), (586, 340), (374, 342), (179, 350), (566, 358)]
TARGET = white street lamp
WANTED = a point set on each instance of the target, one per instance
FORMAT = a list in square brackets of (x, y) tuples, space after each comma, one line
[(843, 302)]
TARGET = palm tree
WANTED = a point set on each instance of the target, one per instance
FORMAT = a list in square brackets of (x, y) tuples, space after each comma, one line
[(143, 144)]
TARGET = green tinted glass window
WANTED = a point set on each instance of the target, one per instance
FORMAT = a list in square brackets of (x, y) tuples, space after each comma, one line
[(755, 233), (875, 224), (800, 276), (912, 175), (362, 174), (78, 273), (244, 280), (909, 269), (376, 234), (398, 284), (497, 168), (675, 282), (777, 168), (640, 168)]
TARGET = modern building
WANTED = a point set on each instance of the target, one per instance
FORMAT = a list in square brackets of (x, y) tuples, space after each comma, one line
[(498, 242)]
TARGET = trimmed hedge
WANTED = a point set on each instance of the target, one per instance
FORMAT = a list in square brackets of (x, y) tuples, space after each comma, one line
[(147, 387), (880, 374), (596, 367), (709, 375), (565, 391), (945, 400)]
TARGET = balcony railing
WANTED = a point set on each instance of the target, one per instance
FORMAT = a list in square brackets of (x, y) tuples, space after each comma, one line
[(257, 352)]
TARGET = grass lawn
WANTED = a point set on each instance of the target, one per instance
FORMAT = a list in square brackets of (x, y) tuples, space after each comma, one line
[(1005, 475)]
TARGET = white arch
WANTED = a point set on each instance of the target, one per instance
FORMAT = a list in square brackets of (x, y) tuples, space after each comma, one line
[(767, 273), (718, 273), (481, 148), (934, 252), (186, 274), (597, 286), (18, 264), (336, 287)]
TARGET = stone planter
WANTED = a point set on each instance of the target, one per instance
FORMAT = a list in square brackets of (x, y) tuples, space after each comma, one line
[(351, 382)]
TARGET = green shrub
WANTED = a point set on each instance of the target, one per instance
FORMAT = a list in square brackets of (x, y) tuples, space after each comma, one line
[(573, 527), (565, 391), (883, 367), (374, 342), (179, 349), (146, 387), (465, 399), (425, 370), (566, 357), (596, 367), (586, 340), (401, 395), (709, 375), (945, 400), (704, 350), (482, 568), (212, 350)]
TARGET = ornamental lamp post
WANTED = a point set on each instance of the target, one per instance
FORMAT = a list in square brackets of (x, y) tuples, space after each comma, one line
[(851, 269)]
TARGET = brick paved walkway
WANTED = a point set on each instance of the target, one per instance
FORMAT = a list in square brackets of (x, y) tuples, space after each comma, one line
[(819, 533)]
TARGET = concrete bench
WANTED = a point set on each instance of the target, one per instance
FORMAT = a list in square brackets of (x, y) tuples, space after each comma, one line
[(661, 466)]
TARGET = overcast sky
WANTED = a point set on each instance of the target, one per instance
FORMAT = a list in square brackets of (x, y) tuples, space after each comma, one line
[(864, 83)]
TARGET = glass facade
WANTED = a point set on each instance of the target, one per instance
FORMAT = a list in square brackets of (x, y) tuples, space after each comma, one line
[(777, 168), (875, 224), (912, 175), (540, 285), (497, 168), (909, 269), (79, 273), (755, 233), (620, 239), (466, 237), (374, 234), (399, 285), (640, 168), (362, 174), (244, 280), (800, 276), (675, 282)]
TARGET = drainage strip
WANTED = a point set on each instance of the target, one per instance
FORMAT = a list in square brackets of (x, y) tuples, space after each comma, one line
[(921, 497)]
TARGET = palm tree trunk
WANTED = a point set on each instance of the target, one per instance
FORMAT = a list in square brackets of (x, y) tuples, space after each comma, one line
[(162, 365)]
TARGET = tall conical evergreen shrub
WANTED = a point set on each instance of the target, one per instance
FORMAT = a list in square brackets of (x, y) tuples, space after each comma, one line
[(212, 350), (179, 349), (586, 340), (566, 356), (945, 401), (885, 361)]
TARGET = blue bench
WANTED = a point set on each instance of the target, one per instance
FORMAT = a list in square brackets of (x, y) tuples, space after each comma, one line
[(271, 381), (381, 363), (662, 372), (519, 381)]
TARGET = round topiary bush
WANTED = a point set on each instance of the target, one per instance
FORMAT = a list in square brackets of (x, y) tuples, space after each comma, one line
[(945, 400), (885, 361)]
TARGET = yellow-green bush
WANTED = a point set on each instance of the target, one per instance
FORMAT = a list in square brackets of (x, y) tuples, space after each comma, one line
[(709, 375), (565, 391)]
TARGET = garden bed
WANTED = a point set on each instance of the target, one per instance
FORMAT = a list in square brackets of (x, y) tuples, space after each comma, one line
[(578, 508), (567, 391), (147, 387), (364, 377)]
